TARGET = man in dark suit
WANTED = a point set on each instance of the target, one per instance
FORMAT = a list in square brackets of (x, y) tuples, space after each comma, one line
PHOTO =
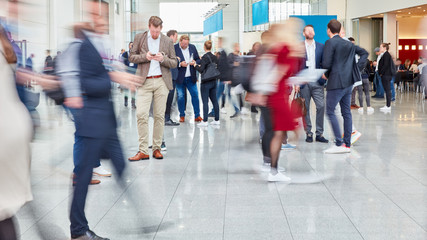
[(315, 90), (187, 78), (343, 71), (173, 35), (96, 124)]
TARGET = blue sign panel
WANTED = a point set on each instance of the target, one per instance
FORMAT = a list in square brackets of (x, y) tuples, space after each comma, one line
[(320, 24), (260, 12), (213, 24)]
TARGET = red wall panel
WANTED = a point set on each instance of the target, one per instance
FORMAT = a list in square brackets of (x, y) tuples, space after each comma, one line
[(412, 54)]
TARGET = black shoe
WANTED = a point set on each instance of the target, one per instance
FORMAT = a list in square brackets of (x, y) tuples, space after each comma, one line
[(126, 101), (89, 235), (171, 123), (321, 139), (309, 138), (235, 115), (133, 103), (254, 110)]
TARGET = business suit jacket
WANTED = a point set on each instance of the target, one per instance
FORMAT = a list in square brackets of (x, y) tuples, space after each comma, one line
[(319, 57), (182, 70), (386, 65), (339, 59), (97, 119), (138, 54)]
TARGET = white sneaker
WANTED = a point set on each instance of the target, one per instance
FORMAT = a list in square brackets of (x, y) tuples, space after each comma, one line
[(100, 171), (203, 124), (223, 111), (266, 167), (355, 136), (216, 122), (279, 177), (360, 110), (385, 109), (245, 111), (337, 150), (371, 110)]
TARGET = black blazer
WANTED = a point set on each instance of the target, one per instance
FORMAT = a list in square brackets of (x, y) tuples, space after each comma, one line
[(223, 66), (386, 65), (339, 59), (204, 62)]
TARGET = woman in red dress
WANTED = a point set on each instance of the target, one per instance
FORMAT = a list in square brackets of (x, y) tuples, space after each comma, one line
[(290, 53)]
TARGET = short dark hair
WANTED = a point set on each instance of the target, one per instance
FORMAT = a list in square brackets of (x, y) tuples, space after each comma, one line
[(334, 26), (351, 39), (155, 21), (306, 26), (171, 33)]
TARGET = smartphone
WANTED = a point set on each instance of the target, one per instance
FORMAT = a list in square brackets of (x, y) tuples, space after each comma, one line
[(152, 54)]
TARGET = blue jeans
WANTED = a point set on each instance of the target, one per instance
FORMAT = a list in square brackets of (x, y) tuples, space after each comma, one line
[(393, 91), (192, 88), (77, 147), (378, 85), (343, 97), (208, 91)]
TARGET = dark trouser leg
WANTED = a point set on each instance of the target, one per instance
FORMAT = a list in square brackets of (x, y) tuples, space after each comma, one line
[(386, 83), (7, 230), (214, 100), (169, 102), (353, 96), (114, 149), (345, 103), (360, 92), (366, 87), (89, 156), (276, 144), (318, 95), (268, 133), (306, 94), (333, 97), (205, 100)]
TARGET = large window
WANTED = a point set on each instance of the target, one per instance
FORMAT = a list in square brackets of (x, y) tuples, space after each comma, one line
[(280, 10)]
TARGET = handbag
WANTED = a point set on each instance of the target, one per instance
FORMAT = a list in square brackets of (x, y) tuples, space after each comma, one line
[(298, 106), (211, 72)]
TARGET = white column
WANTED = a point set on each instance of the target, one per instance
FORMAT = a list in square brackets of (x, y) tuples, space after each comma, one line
[(230, 23), (390, 32)]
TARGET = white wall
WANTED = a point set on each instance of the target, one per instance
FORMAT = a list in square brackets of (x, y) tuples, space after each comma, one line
[(363, 8), (230, 23), (409, 28), (365, 36), (249, 38)]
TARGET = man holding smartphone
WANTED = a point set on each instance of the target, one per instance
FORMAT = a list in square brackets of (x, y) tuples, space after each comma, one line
[(155, 55)]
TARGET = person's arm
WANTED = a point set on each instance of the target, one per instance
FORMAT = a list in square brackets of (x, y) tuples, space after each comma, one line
[(203, 64), (381, 65), (169, 58), (196, 56), (363, 54), (137, 54), (328, 55)]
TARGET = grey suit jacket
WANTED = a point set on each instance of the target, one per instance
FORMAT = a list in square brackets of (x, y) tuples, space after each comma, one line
[(139, 51)]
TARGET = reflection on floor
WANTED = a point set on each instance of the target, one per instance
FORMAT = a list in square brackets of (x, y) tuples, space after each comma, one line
[(210, 184)]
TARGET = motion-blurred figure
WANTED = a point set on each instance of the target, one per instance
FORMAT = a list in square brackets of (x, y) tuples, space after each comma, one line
[(131, 68), (15, 137)]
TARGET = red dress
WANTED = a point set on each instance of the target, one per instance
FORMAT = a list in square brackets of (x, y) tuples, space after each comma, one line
[(278, 102)]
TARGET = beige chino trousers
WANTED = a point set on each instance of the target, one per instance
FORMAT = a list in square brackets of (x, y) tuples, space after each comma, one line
[(154, 90)]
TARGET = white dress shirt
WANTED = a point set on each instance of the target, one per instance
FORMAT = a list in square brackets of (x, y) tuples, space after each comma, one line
[(311, 54), (186, 53), (153, 47)]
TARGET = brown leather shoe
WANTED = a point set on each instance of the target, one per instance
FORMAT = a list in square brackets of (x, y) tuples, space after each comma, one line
[(198, 119), (182, 119), (157, 154), (92, 182), (139, 156)]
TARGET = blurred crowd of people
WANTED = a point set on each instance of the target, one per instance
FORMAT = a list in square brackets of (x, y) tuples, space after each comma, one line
[(268, 79)]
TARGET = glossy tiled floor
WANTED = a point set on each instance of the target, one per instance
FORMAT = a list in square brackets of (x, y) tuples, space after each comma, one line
[(209, 186)]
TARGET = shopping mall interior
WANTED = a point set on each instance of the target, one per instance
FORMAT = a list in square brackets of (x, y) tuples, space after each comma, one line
[(212, 182)]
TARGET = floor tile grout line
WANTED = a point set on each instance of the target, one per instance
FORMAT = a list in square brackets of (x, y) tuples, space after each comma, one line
[(226, 184), (386, 195), (327, 188), (408, 174), (284, 211), (41, 218), (121, 195), (180, 180)]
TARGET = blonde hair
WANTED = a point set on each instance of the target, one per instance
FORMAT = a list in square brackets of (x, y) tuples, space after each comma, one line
[(184, 37), (289, 33)]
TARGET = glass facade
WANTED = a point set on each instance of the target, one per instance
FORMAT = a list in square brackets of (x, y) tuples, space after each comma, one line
[(280, 10)]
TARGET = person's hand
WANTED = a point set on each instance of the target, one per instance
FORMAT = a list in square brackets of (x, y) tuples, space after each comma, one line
[(179, 59), (159, 57), (324, 77), (257, 99), (297, 89), (149, 56), (227, 82), (193, 63), (184, 64), (74, 102), (129, 81), (236, 64)]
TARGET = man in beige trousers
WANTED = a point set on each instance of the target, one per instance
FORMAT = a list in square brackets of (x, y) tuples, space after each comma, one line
[(155, 55)]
